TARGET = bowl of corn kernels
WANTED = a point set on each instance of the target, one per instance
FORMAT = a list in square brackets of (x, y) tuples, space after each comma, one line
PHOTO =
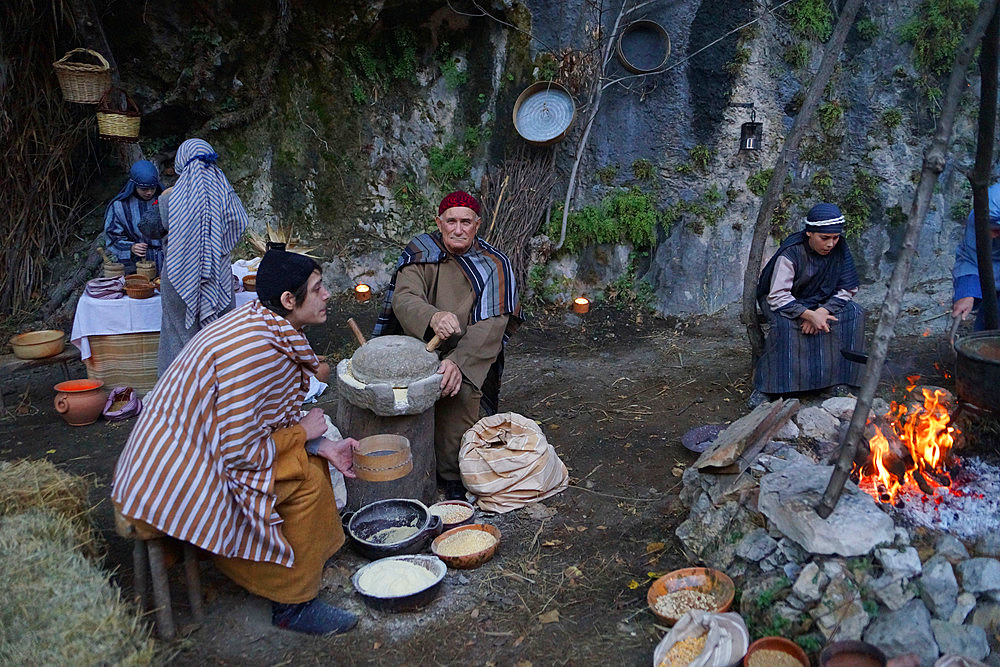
[(468, 546), (678, 592)]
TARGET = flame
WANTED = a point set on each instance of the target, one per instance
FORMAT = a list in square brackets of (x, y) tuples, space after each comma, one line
[(927, 434)]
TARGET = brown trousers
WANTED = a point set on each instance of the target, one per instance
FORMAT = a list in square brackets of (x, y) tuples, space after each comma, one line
[(453, 416), (311, 525)]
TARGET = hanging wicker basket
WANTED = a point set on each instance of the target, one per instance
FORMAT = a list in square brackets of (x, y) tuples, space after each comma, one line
[(82, 82), (116, 124)]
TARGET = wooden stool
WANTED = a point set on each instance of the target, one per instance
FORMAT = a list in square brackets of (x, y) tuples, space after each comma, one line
[(148, 557), (10, 364)]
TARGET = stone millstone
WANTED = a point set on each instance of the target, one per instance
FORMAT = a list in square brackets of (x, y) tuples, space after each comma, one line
[(788, 499), (397, 361)]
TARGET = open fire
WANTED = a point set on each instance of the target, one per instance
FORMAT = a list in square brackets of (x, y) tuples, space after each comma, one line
[(910, 448)]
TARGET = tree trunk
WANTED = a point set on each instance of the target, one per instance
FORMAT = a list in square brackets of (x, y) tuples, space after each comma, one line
[(763, 225), (980, 176), (934, 163)]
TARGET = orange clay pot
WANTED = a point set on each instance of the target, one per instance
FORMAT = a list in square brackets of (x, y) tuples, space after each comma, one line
[(80, 402)]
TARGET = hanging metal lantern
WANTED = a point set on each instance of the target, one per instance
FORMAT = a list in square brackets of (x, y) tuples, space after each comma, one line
[(751, 133)]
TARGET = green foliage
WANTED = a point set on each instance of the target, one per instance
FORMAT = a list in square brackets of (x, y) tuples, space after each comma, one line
[(797, 55), (449, 164), (476, 135), (684, 168), (536, 280), (809, 643), (868, 30), (740, 58), (821, 150), (896, 216), (811, 19), (546, 66), (959, 211), (759, 180), (623, 216), (454, 78), (700, 157), (822, 182), (643, 169), (857, 203), (409, 196), (935, 30), (606, 175), (698, 213), (626, 290), (892, 118), (385, 61), (830, 114)]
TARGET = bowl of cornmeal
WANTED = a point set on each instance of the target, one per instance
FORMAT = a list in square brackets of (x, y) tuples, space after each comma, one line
[(400, 583)]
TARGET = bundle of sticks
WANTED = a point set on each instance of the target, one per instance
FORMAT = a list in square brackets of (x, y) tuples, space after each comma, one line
[(516, 194)]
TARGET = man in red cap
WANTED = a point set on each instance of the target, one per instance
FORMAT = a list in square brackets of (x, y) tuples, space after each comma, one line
[(454, 284)]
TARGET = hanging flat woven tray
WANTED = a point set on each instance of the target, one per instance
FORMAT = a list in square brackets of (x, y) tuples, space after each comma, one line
[(84, 83), (115, 124), (543, 113)]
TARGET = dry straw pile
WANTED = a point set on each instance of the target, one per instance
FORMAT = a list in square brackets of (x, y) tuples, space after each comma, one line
[(59, 607)]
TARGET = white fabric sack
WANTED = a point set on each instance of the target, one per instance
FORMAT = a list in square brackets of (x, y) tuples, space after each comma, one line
[(726, 643), (336, 477), (507, 463)]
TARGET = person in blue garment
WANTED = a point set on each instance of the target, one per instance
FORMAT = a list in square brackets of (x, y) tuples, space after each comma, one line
[(124, 240), (965, 275)]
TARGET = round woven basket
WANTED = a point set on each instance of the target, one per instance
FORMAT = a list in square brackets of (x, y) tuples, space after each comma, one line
[(115, 124), (84, 83), (643, 47)]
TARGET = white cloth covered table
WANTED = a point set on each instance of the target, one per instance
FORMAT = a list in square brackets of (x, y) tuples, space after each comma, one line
[(109, 317)]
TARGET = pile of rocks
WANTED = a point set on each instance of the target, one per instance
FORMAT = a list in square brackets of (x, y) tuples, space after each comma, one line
[(854, 575)]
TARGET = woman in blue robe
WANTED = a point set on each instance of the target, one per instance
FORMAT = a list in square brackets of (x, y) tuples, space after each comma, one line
[(122, 235), (806, 293)]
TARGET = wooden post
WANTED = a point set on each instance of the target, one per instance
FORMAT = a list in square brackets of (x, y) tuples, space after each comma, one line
[(763, 225), (934, 163), (980, 176)]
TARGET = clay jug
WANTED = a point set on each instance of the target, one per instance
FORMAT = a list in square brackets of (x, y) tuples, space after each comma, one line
[(147, 269), (80, 402)]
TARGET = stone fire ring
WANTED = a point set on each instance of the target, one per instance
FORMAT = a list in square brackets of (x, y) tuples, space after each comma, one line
[(385, 400)]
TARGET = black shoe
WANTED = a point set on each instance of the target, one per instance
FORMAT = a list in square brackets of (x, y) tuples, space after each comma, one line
[(312, 618), (454, 490), (757, 398)]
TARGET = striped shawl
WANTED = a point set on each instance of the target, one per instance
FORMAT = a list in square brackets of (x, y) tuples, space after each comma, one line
[(198, 463)]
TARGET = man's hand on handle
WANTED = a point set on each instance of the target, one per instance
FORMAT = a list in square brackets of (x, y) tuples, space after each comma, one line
[(445, 324), (962, 307), (451, 377), (139, 249)]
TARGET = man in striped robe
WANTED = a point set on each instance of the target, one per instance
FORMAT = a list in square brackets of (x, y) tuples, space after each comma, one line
[(455, 285), (220, 457)]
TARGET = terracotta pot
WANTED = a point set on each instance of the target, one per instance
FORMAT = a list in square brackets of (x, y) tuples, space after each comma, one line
[(80, 402)]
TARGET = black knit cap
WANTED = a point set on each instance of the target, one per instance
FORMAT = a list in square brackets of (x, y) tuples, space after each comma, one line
[(281, 271)]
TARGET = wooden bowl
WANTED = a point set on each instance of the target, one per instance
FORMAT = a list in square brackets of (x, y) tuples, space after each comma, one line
[(38, 344), (467, 561), (779, 644), (250, 282), (702, 579), (139, 291), (136, 279), (469, 509)]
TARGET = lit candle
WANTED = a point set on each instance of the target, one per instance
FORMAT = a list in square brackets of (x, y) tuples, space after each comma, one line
[(581, 305), (362, 292)]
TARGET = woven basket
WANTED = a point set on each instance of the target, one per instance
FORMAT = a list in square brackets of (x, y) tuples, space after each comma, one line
[(83, 83), (116, 124)]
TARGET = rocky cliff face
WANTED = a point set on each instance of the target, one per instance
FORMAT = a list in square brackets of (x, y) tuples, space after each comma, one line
[(350, 119)]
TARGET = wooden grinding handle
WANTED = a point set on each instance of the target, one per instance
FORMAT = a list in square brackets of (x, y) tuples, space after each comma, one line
[(433, 343), (356, 330)]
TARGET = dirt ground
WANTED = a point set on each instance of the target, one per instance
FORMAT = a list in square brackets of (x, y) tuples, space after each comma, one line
[(614, 392)]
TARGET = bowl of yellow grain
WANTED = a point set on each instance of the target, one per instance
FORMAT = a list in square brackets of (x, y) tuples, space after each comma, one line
[(775, 652), (466, 547), (678, 592)]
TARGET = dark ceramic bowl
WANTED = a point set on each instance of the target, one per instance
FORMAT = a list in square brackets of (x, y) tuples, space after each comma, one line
[(362, 527), (404, 602)]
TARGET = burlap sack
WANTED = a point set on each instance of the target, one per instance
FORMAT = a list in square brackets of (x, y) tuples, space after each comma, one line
[(507, 463)]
